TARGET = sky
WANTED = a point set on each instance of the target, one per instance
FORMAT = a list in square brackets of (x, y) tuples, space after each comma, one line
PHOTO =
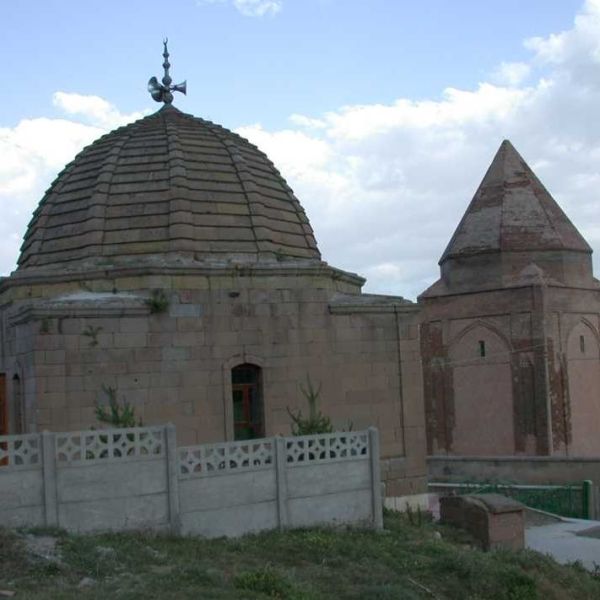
[(383, 115)]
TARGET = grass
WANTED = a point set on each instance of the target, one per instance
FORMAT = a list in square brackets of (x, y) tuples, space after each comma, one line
[(407, 561)]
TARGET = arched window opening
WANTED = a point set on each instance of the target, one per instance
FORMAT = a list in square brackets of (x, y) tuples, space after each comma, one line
[(248, 422), (482, 348), (582, 344), (18, 410)]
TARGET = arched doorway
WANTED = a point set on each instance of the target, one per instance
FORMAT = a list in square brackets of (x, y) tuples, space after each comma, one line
[(248, 419), (18, 407), (3, 406)]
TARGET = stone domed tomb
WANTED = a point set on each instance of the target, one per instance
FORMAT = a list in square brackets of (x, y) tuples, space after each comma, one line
[(171, 265)]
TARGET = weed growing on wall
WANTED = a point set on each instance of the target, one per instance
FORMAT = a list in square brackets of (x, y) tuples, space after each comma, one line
[(315, 422), (158, 302), (45, 325), (91, 333), (118, 414)]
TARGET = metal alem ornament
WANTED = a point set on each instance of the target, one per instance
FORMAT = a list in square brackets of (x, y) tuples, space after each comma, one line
[(163, 93)]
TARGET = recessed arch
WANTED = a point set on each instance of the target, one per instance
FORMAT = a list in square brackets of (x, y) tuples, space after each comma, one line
[(591, 345), (246, 396), (583, 386), (479, 323), (480, 360), (236, 360)]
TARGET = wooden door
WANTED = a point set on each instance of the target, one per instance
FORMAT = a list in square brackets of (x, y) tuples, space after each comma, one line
[(247, 409), (3, 406), (3, 416)]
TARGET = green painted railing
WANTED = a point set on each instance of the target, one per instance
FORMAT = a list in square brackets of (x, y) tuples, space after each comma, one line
[(573, 500)]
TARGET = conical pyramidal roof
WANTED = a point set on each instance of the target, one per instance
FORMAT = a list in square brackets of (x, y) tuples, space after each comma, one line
[(513, 211)]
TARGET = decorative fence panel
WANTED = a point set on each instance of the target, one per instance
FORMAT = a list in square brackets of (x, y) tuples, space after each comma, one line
[(21, 480), (136, 478)]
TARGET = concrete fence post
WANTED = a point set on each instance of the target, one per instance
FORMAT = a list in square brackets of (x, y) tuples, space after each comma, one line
[(172, 478), (279, 450), (375, 478), (49, 477)]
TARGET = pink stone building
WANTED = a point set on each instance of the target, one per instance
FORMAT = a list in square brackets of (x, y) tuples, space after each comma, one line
[(171, 263), (510, 332)]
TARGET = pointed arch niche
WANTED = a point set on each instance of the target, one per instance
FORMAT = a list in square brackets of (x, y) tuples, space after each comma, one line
[(583, 372), (480, 360)]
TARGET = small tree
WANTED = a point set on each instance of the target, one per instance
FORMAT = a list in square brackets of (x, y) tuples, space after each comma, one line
[(316, 422), (117, 415)]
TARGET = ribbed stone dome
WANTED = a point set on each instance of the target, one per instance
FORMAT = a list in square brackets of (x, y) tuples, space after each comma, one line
[(168, 187)]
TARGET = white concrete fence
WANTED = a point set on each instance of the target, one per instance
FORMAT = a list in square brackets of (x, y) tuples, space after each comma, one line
[(119, 479)]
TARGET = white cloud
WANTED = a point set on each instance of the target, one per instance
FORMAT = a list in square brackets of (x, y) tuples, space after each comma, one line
[(94, 109), (384, 185), (34, 151), (511, 73), (390, 182), (307, 122), (251, 8), (258, 8)]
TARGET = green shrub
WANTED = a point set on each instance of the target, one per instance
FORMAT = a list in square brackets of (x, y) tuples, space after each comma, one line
[(316, 422), (118, 414), (266, 581), (92, 332), (158, 302)]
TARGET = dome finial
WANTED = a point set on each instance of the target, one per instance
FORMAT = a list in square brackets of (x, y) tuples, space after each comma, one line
[(162, 93)]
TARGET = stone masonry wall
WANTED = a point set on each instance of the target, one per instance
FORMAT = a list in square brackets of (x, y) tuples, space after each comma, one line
[(176, 366), (550, 403)]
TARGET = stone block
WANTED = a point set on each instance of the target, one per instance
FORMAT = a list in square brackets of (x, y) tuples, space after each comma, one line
[(161, 323), (74, 384), (130, 340), (189, 324), (164, 396), (48, 342), (159, 340), (50, 370), (130, 283), (173, 366), (494, 520), (175, 354), (54, 357), (187, 338), (186, 310), (133, 325), (187, 282), (147, 354), (52, 384), (161, 380), (133, 381), (72, 342)]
